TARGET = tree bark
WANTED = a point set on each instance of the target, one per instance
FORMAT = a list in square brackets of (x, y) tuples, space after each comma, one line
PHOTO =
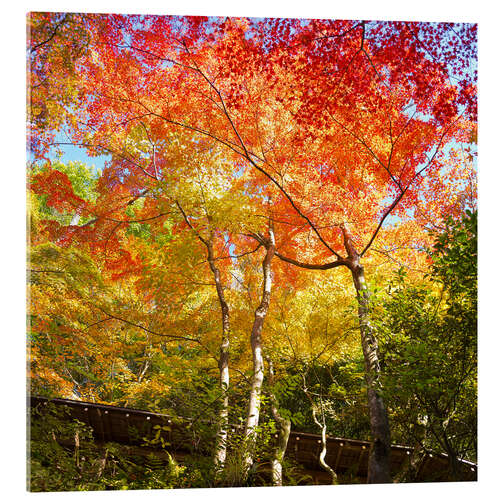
[(453, 463), (223, 363), (283, 426), (379, 461), (223, 418), (252, 420), (322, 426), (322, 455)]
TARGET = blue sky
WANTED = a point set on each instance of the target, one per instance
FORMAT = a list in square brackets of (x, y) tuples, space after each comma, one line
[(75, 153)]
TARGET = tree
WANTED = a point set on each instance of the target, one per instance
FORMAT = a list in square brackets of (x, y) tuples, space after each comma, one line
[(339, 122), (56, 44), (429, 333)]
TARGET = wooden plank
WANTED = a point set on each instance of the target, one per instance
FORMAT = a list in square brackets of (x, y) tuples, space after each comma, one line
[(115, 423)]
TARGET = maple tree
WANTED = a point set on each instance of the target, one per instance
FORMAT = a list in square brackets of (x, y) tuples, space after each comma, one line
[(328, 143)]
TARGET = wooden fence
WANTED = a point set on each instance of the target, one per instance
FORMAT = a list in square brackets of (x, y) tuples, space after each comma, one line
[(348, 457)]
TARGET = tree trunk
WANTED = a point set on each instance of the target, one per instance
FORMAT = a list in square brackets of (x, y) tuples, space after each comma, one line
[(409, 473), (322, 426), (379, 461), (453, 463), (223, 418), (379, 470), (283, 426), (258, 362), (322, 455)]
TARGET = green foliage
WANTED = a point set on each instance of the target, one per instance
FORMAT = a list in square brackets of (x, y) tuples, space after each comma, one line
[(428, 336), (455, 266), (64, 457), (338, 386), (83, 180), (70, 268)]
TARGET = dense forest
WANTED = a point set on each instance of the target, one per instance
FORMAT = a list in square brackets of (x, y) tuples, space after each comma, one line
[(283, 236)]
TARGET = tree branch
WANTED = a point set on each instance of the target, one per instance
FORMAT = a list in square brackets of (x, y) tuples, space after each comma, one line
[(136, 325), (326, 265)]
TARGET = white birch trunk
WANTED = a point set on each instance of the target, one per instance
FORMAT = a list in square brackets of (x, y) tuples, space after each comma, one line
[(322, 426), (252, 420), (223, 417)]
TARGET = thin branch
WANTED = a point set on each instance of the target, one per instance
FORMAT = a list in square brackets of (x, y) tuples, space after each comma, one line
[(368, 148), (386, 214), (97, 323), (198, 235), (327, 265), (136, 325), (108, 150), (46, 271), (239, 256), (54, 33), (403, 191), (152, 55), (246, 154), (103, 216)]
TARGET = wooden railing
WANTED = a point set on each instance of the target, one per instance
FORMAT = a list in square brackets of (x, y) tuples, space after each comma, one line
[(347, 457)]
